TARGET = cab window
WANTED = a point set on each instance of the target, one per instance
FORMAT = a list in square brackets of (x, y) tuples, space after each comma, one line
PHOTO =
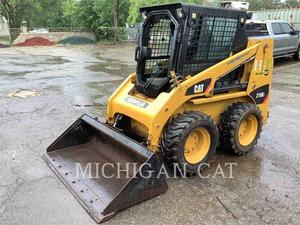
[(256, 26), (286, 28), (276, 28)]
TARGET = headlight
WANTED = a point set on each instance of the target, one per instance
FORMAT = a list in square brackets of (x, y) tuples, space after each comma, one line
[(180, 13), (144, 15)]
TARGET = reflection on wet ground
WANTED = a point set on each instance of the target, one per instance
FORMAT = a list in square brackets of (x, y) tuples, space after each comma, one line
[(24, 94), (81, 79), (70, 81), (289, 82)]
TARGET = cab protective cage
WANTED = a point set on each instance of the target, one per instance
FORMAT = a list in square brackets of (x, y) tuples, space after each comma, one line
[(186, 39)]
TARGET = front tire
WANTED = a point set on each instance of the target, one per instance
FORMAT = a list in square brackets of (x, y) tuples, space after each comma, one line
[(296, 57), (190, 140), (240, 128)]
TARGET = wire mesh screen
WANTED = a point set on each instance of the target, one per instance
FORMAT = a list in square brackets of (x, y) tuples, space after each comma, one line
[(160, 39), (210, 41)]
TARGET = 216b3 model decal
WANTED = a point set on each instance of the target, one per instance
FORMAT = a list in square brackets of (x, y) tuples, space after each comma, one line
[(260, 94)]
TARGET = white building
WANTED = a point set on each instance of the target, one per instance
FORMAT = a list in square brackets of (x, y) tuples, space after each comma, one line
[(3, 27)]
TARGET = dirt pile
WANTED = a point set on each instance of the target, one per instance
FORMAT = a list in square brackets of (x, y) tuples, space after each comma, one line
[(36, 41)]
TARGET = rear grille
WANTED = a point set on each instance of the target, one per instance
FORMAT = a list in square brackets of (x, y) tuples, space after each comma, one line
[(210, 41)]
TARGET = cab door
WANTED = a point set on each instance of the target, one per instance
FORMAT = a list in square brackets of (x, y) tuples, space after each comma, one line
[(159, 33), (291, 38), (279, 39)]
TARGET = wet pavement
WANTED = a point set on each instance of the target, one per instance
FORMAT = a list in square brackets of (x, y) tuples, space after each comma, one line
[(44, 90)]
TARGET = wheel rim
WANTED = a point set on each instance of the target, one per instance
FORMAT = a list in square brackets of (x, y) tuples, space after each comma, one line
[(247, 130), (197, 145)]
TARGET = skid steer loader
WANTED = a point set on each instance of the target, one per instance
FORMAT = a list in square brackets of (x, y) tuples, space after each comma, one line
[(199, 83)]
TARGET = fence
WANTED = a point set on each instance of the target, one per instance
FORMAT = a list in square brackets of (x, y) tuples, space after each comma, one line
[(129, 34), (133, 33), (296, 26), (291, 15), (56, 29)]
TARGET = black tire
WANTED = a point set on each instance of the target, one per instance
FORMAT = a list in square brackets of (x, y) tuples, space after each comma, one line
[(229, 127), (176, 134), (296, 57)]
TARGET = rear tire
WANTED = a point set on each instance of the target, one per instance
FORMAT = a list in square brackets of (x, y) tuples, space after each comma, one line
[(240, 128), (190, 140), (296, 57)]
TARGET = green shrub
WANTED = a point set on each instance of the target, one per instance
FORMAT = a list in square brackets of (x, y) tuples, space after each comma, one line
[(110, 33)]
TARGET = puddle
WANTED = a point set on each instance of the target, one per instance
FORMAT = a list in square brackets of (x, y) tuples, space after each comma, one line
[(289, 87), (24, 93), (119, 69), (108, 65), (113, 67), (39, 60)]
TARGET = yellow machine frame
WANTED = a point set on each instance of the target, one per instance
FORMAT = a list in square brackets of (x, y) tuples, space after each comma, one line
[(149, 116)]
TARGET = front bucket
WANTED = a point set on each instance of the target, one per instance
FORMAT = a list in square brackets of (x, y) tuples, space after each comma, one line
[(105, 170)]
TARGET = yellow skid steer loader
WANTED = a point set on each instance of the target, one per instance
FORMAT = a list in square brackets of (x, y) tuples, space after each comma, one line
[(200, 82)]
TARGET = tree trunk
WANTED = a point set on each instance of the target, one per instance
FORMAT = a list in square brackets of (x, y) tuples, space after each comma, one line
[(13, 23), (117, 13), (14, 28)]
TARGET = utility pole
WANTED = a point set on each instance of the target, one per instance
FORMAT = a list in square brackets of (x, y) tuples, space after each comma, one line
[(117, 13)]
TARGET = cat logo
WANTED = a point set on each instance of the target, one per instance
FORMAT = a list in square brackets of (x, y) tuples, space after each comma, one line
[(198, 88)]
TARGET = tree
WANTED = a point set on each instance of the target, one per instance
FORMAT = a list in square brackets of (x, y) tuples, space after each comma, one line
[(15, 11), (70, 13), (292, 3), (135, 5), (111, 13), (47, 13), (117, 13), (261, 5)]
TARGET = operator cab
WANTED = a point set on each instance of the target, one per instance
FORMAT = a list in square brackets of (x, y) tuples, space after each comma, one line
[(185, 39)]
